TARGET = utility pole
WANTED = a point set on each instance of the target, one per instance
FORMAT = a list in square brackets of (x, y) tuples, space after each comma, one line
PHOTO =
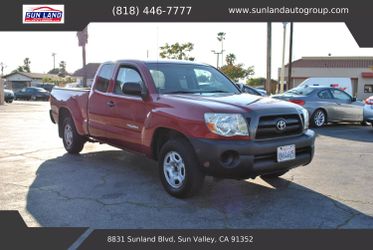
[(289, 81), (54, 60), (217, 53), (269, 57), (282, 79), (83, 40)]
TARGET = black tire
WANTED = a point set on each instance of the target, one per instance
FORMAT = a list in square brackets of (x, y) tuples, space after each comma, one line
[(274, 175), (314, 118), (193, 176), (72, 141), (33, 98)]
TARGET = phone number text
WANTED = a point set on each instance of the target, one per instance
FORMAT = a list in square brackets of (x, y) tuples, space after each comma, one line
[(151, 10)]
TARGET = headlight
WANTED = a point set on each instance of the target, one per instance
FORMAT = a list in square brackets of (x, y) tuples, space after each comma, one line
[(226, 124), (306, 117)]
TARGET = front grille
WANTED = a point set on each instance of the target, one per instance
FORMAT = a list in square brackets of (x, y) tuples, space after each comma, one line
[(267, 126)]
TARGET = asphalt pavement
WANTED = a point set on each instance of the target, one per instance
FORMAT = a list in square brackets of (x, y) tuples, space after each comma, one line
[(105, 187)]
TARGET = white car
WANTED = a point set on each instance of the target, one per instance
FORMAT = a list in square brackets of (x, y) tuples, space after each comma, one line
[(368, 110)]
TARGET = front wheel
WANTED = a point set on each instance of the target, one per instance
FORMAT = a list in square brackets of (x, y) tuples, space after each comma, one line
[(179, 169), (318, 118), (72, 141)]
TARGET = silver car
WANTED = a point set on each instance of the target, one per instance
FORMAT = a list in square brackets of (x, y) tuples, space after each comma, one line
[(368, 110), (325, 104)]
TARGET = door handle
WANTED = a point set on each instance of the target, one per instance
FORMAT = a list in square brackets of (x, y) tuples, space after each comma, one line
[(110, 104)]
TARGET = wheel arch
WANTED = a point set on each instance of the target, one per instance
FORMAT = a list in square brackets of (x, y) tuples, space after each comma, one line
[(160, 136)]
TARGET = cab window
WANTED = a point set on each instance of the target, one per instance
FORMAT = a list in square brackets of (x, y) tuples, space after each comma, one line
[(126, 75), (103, 77)]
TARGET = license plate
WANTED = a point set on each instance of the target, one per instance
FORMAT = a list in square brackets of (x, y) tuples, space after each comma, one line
[(286, 153)]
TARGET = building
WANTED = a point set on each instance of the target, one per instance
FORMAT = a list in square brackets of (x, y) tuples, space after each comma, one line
[(90, 71), (19, 80), (359, 69)]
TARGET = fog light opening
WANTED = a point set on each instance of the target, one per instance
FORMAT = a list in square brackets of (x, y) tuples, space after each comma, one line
[(229, 158)]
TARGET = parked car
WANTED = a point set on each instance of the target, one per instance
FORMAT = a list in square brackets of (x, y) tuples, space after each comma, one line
[(47, 86), (368, 110), (32, 93), (325, 104), (247, 89), (8, 95), (342, 83), (192, 125)]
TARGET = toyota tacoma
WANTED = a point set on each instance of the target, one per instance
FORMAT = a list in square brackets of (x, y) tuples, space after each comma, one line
[(187, 116)]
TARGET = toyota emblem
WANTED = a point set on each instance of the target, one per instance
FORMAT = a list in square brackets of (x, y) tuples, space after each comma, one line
[(281, 125)]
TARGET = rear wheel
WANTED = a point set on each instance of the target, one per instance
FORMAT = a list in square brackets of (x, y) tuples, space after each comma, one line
[(72, 141), (274, 175), (179, 169), (33, 98), (318, 118)]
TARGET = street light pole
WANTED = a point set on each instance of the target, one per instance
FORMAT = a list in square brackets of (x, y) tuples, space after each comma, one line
[(54, 60), (289, 81), (217, 57), (269, 57), (282, 79)]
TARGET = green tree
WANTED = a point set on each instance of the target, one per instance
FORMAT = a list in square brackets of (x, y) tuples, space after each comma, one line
[(236, 71), (62, 69), (55, 71), (259, 81), (230, 59), (25, 67), (177, 51)]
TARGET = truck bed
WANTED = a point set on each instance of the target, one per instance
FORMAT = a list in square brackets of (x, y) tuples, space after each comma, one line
[(75, 101)]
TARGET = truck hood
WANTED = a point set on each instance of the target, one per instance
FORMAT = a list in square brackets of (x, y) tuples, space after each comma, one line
[(233, 102)]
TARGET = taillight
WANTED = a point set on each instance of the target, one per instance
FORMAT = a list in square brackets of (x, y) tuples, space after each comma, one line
[(369, 101), (299, 102)]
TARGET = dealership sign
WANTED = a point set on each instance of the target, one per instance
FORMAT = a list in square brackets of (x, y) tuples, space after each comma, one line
[(43, 14)]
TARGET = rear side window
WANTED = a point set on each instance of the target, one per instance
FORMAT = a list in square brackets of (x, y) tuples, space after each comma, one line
[(325, 94), (103, 77)]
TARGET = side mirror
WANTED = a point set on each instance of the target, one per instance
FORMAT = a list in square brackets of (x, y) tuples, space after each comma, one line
[(132, 88), (353, 99)]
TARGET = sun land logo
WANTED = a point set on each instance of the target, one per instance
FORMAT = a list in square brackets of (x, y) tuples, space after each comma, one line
[(43, 14)]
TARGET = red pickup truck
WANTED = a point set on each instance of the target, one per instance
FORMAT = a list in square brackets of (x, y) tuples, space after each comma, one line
[(189, 117)]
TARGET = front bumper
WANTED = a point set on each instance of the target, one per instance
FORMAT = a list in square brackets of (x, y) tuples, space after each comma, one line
[(248, 159), (9, 98)]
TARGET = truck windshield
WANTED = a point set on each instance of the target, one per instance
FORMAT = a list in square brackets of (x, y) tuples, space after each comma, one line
[(172, 78)]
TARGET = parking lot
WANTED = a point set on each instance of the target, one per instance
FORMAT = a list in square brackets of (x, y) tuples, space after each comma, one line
[(108, 188)]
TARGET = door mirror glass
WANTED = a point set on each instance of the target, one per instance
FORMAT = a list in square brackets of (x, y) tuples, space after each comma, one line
[(353, 99)]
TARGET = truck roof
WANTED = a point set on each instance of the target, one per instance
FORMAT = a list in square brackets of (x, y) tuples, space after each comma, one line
[(161, 61)]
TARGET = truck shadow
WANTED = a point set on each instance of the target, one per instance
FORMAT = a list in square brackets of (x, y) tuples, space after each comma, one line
[(351, 132), (115, 189)]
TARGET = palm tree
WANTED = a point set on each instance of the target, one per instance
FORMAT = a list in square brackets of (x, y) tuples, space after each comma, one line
[(230, 59)]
